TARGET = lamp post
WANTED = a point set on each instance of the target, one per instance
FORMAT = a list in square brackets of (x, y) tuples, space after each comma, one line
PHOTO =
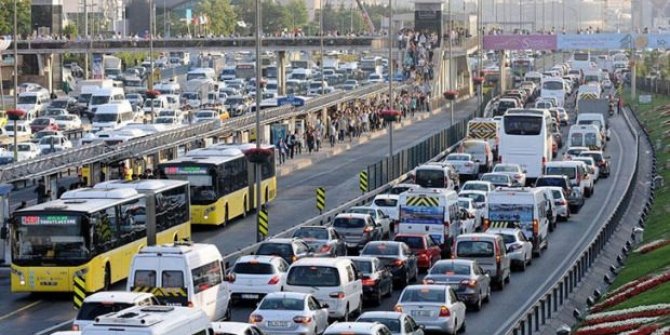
[(321, 45), (257, 167), (451, 60), (390, 77), (150, 84), (16, 79), (86, 55), (480, 94)]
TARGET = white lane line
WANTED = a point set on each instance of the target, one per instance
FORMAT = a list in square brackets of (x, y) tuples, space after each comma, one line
[(9, 315), (53, 328)]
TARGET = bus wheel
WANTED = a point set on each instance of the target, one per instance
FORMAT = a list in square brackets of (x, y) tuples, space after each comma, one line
[(267, 195), (225, 218), (108, 278), (175, 238), (246, 208)]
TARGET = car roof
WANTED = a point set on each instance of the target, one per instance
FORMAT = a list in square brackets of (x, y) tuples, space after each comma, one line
[(484, 193), (352, 215), (318, 261), (476, 235), (503, 230), (345, 327), (118, 297), (280, 240), (387, 196), (258, 259), (382, 314), (287, 294)]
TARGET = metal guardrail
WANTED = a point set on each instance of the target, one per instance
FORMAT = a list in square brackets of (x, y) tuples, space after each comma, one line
[(73, 158), (529, 321)]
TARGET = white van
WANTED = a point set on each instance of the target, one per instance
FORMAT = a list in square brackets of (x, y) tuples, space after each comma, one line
[(105, 96), (576, 171), (102, 303), (586, 135), (112, 116), (436, 175), (301, 74), (430, 211), (156, 105), (183, 274), (595, 119), (333, 281), (34, 103), (152, 320), (525, 208)]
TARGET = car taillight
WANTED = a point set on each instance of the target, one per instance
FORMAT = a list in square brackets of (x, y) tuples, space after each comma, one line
[(337, 295), (536, 227), (75, 327), (369, 282), (190, 304), (254, 318), (274, 280), (544, 161), (517, 176), (428, 281), (471, 283), (560, 202), (368, 229), (325, 248), (485, 224), (398, 308), (514, 247), (444, 312), (302, 319), (398, 262), (294, 258)]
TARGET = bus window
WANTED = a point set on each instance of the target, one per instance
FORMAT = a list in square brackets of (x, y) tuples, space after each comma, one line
[(522, 125)]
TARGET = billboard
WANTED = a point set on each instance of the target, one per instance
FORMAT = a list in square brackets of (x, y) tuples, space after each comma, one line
[(428, 17), (520, 42)]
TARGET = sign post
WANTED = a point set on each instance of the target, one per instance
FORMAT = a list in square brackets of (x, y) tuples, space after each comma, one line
[(320, 199)]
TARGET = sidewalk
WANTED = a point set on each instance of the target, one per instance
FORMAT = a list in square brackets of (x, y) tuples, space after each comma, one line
[(305, 160)]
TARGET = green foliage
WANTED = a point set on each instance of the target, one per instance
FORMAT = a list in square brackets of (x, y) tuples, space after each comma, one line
[(297, 12), (7, 17), (70, 30), (221, 16)]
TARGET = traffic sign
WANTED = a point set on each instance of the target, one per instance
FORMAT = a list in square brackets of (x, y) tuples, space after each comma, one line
[(320, 198), (79, 290), (263, 222)]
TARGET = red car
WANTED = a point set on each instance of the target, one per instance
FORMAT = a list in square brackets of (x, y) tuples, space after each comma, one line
[(427, 252), (43, 123)]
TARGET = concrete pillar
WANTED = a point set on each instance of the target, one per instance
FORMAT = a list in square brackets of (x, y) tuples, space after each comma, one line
[(502, 82), (48, 68), (324, 116), (281, 73)]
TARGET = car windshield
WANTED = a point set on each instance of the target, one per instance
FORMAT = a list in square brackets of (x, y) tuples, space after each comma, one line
[(476, 197), (414, 242), (571, 172), (386, 202), (91, 310), (392, 324), (253, 268), (46, 140), (232, 101), (475, 187), (279, 249), (167, 119), (458, 158), (550, 182), (423, 294), (346, 222), (58, 104), (398, 189), (380, 249), (27, 100), (65, 117), (496, 179), (505, 168), (204, 115), (311, 233), (51, 112), (41, 122), (450, 268), (474, 249), (364, 266), (463, 204), (105, 117), (430, 178), (306, 275), (99, 99), (284, 304), (508, 238)]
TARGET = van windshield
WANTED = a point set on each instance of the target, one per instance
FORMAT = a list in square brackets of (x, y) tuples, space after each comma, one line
[(105, 117), (576, 139), (386, 202), (91, 310), (511, 212), (349, 223), (561, 170), (27, 100), (99, 99), (474, 249), (590, 139), (430, 178), (313, 276)]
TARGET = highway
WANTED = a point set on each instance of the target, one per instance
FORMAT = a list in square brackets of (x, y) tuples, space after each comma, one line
[(294, 204)]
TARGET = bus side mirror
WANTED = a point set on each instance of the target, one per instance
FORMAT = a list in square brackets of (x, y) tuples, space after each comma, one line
[(4, 233)]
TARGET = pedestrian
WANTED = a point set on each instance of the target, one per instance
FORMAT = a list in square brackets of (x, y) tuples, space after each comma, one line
[(41, 191), (290, 143), (22, 205), (332, 134), (281, 146), (310, 141)]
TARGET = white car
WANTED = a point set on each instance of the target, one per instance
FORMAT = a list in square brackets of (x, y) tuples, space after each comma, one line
[(357, 328), (559, 202), (57, 141), (176, 113), (473, 220), (515, 171), (388, 204), (519, 249), (68, 121), (22, 129), (205, 116), (256, 276), (375, 78), (377, 215), (591, 163), (25, 151), (284, 313), (108, 302), (235, 328), (464, 164), (477, 185), (435, 307), (397, 323)]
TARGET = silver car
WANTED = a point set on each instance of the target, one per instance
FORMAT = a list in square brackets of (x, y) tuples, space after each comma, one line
[(471, 283), (398, 323), (515, 171), (377, 215), (436, 307), (282, 313), (464, 164), (519, 249)]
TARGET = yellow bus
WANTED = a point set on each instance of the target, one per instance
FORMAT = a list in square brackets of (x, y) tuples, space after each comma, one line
[(222, 182), (94, 233)]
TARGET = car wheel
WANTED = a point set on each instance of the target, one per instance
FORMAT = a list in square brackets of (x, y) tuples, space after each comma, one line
[(522, 267), (530, 260), (463, 328), (478, 306), (359, 310), (501, 284), (488, 294), (378, 297), (345, 318)]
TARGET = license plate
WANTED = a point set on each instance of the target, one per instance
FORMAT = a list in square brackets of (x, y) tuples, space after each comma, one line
[(250, 296), (278, 324), (421, 314)]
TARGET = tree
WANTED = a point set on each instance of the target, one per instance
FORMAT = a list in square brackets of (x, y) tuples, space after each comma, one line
[(245, 11), (297, 12), (275, 17), (7, 17), (221, 18), (70, 30)]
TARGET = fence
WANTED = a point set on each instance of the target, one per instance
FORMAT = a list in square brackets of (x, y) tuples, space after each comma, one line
[(539, 310), (655, 85)]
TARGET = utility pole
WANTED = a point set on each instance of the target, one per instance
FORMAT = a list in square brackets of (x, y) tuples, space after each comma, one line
[(257, 167), (16, 80), (87, 55)]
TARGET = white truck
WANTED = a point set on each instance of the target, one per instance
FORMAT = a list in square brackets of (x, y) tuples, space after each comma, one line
[(112, 67), (430, 211)]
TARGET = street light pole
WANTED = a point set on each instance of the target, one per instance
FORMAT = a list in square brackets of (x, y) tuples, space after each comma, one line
[(390, 77), (321, 45), (16, 81), (86, 56), (451, 60), (257, 167), (150, 84), (480, 27)]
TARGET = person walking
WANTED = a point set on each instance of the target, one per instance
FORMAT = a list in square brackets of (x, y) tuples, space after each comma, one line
[(310, 141), (332, 134)]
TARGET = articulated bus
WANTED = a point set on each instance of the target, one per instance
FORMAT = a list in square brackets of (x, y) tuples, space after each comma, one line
[(525, 139), (222, 181), (92, 232)]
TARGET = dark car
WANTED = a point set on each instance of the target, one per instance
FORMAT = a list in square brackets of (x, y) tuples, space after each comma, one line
[(290, 249), (574, 196), (397, 256), (322, 241), (377, 279), (357, 229), (422, 245), (470, 282), (601, 160)]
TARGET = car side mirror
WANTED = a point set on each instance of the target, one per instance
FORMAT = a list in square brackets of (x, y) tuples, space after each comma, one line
[(324, 305)]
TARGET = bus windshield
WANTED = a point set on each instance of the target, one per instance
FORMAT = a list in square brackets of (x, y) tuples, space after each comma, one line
[(522, 125), (49, 237)]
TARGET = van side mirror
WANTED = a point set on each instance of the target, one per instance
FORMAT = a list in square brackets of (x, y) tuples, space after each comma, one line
[(4, 233)]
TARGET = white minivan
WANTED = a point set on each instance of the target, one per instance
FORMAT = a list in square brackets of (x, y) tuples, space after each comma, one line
[(183, 274), (34, 103), (586, 135), (334, 281), (151, 320), (112, 116), (576, 171), (104, 96)]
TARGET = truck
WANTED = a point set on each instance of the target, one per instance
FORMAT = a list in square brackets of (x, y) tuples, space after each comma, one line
[(196, 91), (598, 106), (112, 67), (331, 62), (430, 211)]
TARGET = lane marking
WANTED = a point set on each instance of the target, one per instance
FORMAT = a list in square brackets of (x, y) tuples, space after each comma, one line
[(30, 305), (54, 328)]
